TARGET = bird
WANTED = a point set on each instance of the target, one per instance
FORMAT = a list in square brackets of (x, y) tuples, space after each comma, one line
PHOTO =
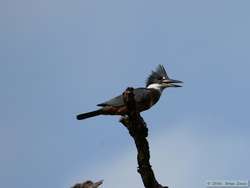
[(145, 97)]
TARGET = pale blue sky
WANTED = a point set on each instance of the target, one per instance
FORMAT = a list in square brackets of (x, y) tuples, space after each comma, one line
[(59, 58)]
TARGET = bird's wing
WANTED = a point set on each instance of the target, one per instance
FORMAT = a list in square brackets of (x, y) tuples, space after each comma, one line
[(116, 101), (141, 94)]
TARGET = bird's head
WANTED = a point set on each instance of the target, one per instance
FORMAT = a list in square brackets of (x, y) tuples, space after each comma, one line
[(159, 79)]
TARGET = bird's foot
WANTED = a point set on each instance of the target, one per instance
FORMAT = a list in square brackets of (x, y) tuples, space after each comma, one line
[(124, 120)]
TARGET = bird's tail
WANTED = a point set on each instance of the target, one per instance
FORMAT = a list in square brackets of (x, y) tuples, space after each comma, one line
[(89, 114)]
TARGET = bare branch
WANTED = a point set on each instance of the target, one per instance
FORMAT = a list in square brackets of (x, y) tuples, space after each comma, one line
[(138, 130), (88, 184)]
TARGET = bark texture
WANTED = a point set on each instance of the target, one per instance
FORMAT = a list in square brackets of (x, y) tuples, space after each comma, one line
[(138, 131)]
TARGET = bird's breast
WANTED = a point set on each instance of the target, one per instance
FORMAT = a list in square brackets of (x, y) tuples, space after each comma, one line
[(149, 100)]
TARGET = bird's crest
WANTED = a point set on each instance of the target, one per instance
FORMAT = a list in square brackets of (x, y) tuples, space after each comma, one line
[(156, 75)]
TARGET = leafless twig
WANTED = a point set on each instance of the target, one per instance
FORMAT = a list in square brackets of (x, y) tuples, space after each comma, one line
[(88, 184)]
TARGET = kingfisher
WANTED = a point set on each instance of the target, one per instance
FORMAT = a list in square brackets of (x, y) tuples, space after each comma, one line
[(145, 97)]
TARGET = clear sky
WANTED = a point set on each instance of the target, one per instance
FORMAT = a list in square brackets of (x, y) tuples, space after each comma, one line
[(59, 58)]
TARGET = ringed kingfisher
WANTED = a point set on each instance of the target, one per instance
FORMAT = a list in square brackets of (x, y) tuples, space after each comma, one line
[(145, 97)]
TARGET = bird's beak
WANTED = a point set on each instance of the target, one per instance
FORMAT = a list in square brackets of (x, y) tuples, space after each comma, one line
[(171, 83)]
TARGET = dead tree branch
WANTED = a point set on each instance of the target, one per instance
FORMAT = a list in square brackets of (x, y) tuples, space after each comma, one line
[(138, 130), (88, 184)]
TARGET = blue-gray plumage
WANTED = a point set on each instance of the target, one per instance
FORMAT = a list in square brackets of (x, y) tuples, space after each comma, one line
[(146, 97)]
